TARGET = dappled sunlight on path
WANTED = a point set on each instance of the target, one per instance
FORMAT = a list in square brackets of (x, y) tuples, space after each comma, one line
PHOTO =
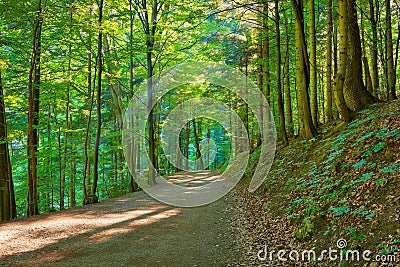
[(134, 230)]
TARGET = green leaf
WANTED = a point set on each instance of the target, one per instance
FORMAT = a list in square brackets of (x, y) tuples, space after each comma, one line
[(359, 164)]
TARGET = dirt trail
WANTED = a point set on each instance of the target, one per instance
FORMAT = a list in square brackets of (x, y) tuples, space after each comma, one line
[(134, 230)]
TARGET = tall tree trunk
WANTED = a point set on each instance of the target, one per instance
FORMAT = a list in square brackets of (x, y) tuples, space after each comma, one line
[(355, 93), (367, 74), (196, 132), (187, 141), (208, 158), (341, 72), (288, 98), (313, 64), (262, 56), (7, 197), (33, 116), (67, 121), (281, 111), (50, 159), (72, 172), (266, 53), (115, 88), (132, 183), (328, 80), (93, 197), (150, 28), (306, 125), (90, 101), (374, 9), (391, 88)]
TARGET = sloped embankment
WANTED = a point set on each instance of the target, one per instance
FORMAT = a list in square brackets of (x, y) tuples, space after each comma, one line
[(343, 184)]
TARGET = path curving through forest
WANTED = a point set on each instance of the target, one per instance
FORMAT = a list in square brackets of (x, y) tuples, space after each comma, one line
[(134, 230)]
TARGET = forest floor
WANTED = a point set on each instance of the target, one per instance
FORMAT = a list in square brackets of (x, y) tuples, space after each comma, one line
[(342, 185)]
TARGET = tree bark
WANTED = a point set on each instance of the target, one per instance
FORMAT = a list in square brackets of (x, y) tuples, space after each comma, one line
[(93, 197), (374, 48), (341, 72), (281, 111), (197, 143), (266, 84), (90, 100), (33, 116), (7, 197), (355, 93), (313, 64), (288, 97), (187, 141), (391, 71), (306, 125), (328, 81)]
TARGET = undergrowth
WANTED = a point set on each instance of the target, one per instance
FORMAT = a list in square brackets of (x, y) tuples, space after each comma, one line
[(346, 183)]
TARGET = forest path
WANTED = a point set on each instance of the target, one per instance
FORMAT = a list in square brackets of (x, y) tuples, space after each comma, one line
[(134, 230)]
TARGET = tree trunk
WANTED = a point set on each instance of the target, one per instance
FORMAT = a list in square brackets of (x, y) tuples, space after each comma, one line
[(67, 122), (391, 71), (288, 98), (313, 64), (266, 88), (355, 93), (374, 48), (93, 198), (90, 100), (187, 141), (341, 72), (72, 172), (197, 143), (33, 117), (115, 88), (306, 125), (150, 28), (281, 111), (7, 197), (328, 80)]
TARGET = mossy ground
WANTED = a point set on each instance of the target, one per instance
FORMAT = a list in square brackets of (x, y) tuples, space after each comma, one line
[(346, 181)]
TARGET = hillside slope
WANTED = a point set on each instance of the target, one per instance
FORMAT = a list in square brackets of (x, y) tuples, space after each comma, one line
[(343, 184)]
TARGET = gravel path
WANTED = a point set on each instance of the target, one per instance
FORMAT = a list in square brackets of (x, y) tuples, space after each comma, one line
[(134, 230)]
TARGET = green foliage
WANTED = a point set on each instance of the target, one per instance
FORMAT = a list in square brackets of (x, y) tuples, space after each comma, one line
[(370, 216), (359, 164), (364, 177), (339, 211), (304, 231), (390, 169)]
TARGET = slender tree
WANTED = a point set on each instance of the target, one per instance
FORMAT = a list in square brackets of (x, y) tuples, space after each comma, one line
[(374, 11), (313, 63), (281, 111), (391, 71), (93, 197), (328, 80), (306, 125), (7, 196), (33, 114), (288, 97)]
